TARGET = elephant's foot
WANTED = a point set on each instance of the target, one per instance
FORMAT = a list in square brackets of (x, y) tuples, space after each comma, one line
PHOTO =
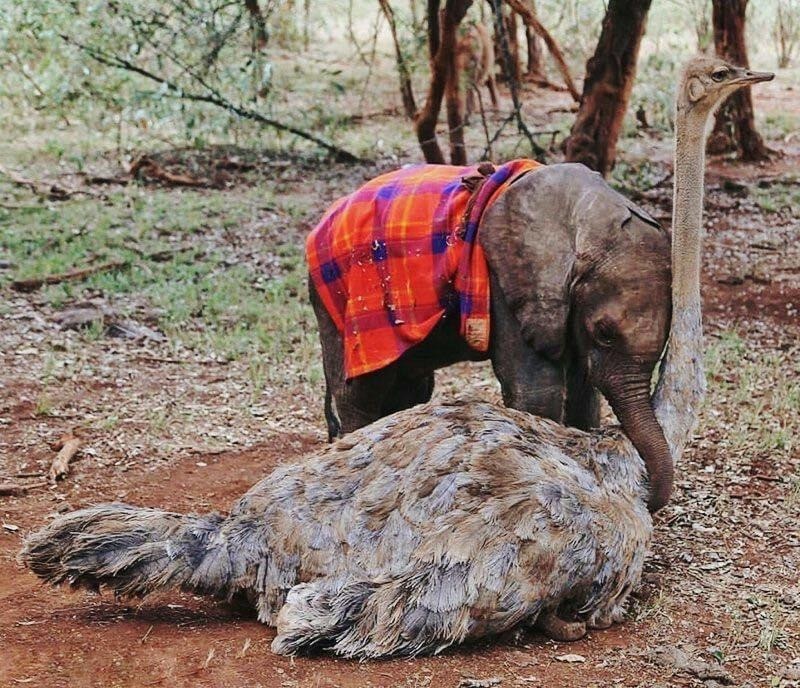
[(558, 629)]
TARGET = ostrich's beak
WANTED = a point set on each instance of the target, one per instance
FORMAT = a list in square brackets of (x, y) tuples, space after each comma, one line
[(745, 76)]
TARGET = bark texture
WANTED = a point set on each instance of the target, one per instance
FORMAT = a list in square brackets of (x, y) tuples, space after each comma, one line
[(531, 21), (534, 54), (607, 88), (443, 78), (734, 126)]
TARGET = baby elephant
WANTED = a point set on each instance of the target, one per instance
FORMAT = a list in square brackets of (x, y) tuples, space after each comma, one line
[(578, 282)]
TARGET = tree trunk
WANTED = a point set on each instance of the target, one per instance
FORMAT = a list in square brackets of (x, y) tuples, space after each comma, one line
[(512, 29), (406, 91), (442, 73), (534, 63), (607, 88), (432, 12), (258, 23), (734, 126), (529, 19)]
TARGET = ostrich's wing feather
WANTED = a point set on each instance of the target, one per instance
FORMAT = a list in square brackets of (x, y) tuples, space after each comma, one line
[(482, 507)]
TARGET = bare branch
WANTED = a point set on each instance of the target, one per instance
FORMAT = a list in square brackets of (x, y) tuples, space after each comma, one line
[(529, 18), (511, 78), (213, 98), (259, 25), (406, 91)]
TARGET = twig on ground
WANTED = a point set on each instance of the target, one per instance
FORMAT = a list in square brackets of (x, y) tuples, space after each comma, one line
[(34, 283), (18, 489), (544, 82), (54, 192), (67, 446), (147, 167)]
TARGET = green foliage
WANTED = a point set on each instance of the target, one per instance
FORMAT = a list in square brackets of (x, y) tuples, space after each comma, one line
[(66, 61)]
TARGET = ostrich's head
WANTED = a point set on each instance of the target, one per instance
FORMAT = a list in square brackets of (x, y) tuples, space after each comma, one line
[(708, 81)]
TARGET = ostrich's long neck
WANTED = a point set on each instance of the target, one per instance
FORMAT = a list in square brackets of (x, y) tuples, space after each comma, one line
[(681, 386)]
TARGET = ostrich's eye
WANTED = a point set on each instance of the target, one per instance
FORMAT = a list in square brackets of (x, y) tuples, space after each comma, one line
[(720, 74)]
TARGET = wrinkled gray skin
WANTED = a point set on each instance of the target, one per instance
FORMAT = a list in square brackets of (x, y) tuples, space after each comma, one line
[(580, 299)]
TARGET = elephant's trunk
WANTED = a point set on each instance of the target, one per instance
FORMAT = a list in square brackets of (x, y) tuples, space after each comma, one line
[(630, 399)]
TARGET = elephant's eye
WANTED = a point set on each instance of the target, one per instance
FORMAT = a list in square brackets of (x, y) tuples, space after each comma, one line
[(605, 333), (720, 74)]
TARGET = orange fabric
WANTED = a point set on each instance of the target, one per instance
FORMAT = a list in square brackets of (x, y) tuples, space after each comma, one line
[(393, 258)]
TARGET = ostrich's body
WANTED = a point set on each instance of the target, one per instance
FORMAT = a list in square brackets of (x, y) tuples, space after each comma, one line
[(416, 532), (436, 524)]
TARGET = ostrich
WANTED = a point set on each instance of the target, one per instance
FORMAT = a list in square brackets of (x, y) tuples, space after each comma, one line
[(440, 523)]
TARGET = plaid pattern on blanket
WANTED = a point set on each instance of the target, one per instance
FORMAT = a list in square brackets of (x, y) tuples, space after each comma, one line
[(392, 258)]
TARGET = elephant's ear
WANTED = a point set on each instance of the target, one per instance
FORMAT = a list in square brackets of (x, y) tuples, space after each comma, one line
[(530, 248), (542, 234)]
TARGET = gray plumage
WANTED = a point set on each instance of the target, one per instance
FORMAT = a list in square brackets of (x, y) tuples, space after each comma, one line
[(428, 528)]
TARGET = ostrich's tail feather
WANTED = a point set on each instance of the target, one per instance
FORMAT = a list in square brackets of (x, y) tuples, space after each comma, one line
[(133, 551)]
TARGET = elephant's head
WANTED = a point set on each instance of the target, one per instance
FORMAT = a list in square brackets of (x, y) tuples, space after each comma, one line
[(581, 267)]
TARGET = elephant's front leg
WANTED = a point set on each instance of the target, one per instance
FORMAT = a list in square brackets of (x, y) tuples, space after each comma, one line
[(529, 381)]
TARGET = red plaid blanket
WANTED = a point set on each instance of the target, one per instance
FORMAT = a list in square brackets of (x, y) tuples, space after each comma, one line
[(391, 259)]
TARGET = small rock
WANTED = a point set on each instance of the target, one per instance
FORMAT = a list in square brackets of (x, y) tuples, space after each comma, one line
[(679, 661), (571, 659), (480, 682), (128, 329), (10, 527), (80, 317), (791, 673)]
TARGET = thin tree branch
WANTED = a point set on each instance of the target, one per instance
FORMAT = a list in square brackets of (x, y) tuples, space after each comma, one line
[(213, 98), (259, 25), (511, 78), (406, 91), (529, 18)]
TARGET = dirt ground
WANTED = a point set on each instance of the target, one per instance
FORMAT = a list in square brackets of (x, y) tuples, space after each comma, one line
[(720, 601)]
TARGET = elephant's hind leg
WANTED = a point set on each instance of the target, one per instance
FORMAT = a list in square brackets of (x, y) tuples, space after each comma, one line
[(407, 392)]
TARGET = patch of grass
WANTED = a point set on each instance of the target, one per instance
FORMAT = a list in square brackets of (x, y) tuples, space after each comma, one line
[(208, 288), (640, 175), (779, 198), (777, 125), (44, 406), (655, 606), (773, 633), (754, 399)]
